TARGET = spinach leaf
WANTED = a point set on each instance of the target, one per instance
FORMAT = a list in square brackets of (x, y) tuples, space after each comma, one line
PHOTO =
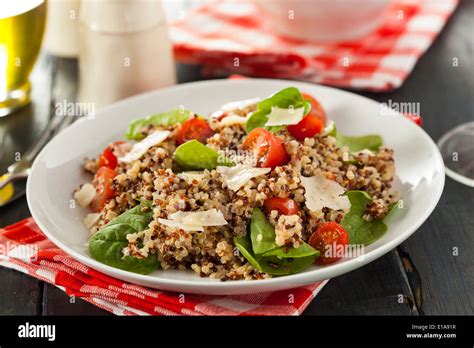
[(330, 129), (135, 217), (167, 118), (273, 264), (194, 155), (285, 98), (371, 142), (266, 246), (265, 255), (262, 233), (303, 250), (359, 230), (106, 245), (355, 143), (392, 207)]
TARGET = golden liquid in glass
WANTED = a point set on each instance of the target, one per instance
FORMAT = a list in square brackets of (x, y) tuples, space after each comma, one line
[(22, 25)]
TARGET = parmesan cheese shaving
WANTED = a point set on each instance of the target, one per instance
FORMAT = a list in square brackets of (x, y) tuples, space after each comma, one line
[(321, 192), (239, 105), (91, 220), (194, 220), (85, 195), (280, 117), (211, 217), (237, 176), (180, 225), (192, 175), (365, 152), (330, 126), (233, 119), (140, 148)]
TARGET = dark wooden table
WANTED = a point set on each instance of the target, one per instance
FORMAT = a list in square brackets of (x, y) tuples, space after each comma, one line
[(420, 277)]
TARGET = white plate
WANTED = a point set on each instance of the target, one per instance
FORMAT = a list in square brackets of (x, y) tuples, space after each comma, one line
[(57, 171)]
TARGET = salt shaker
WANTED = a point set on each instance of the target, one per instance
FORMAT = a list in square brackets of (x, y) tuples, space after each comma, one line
[(124, 50), (61, 37)]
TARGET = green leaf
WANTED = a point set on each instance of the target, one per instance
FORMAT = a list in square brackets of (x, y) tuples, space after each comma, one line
[(355, 144), (106, 245), (351, 161), (303, 250), (168, 118), (193, 155), (370, 142), (266, 245), (392, 207), (360, 231), (265, 255), (135, 217), (285, 98), (273, 264), (330, 129), (259, 226)]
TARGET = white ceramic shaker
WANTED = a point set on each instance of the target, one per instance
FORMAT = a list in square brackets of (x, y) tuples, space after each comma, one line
[(61, 37), (124, 50)]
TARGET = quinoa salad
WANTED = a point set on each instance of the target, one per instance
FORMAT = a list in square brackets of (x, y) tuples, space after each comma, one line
[(258, 189)]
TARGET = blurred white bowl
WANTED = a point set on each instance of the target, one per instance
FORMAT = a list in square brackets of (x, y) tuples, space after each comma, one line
[(324, 20)]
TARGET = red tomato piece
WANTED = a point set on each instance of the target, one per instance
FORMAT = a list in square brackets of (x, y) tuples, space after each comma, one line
[(415, 118), (329, 238), (285, 206), (316, 108), (308, 127), (219, 115), (195, 128), (312, 123), (267, 149), (120, 148), (108, 158), (103, 188)]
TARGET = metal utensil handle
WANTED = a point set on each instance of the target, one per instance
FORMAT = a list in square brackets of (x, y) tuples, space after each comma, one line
[(47, 134), (12, 177)]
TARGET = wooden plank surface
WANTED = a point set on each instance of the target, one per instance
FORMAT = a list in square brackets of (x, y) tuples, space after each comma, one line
[(445, 92), (443, 251), (20, 293), (379, 288)]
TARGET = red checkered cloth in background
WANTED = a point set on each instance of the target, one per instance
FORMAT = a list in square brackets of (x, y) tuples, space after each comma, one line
[(25, 248), (215, 33)]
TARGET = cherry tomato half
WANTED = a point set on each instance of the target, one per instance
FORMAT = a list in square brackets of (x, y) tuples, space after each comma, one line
[(316, 108), (266, 148), (108, 158), (284, 206), (312, 123), (329, 238), (103, 188), (194, 128), (308, 127)]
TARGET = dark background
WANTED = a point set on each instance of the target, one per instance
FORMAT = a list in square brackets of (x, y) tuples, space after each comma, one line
[(422, 272)]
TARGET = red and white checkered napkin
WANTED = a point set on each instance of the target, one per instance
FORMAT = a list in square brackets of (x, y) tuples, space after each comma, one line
[(220, 31), (25, 248)]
